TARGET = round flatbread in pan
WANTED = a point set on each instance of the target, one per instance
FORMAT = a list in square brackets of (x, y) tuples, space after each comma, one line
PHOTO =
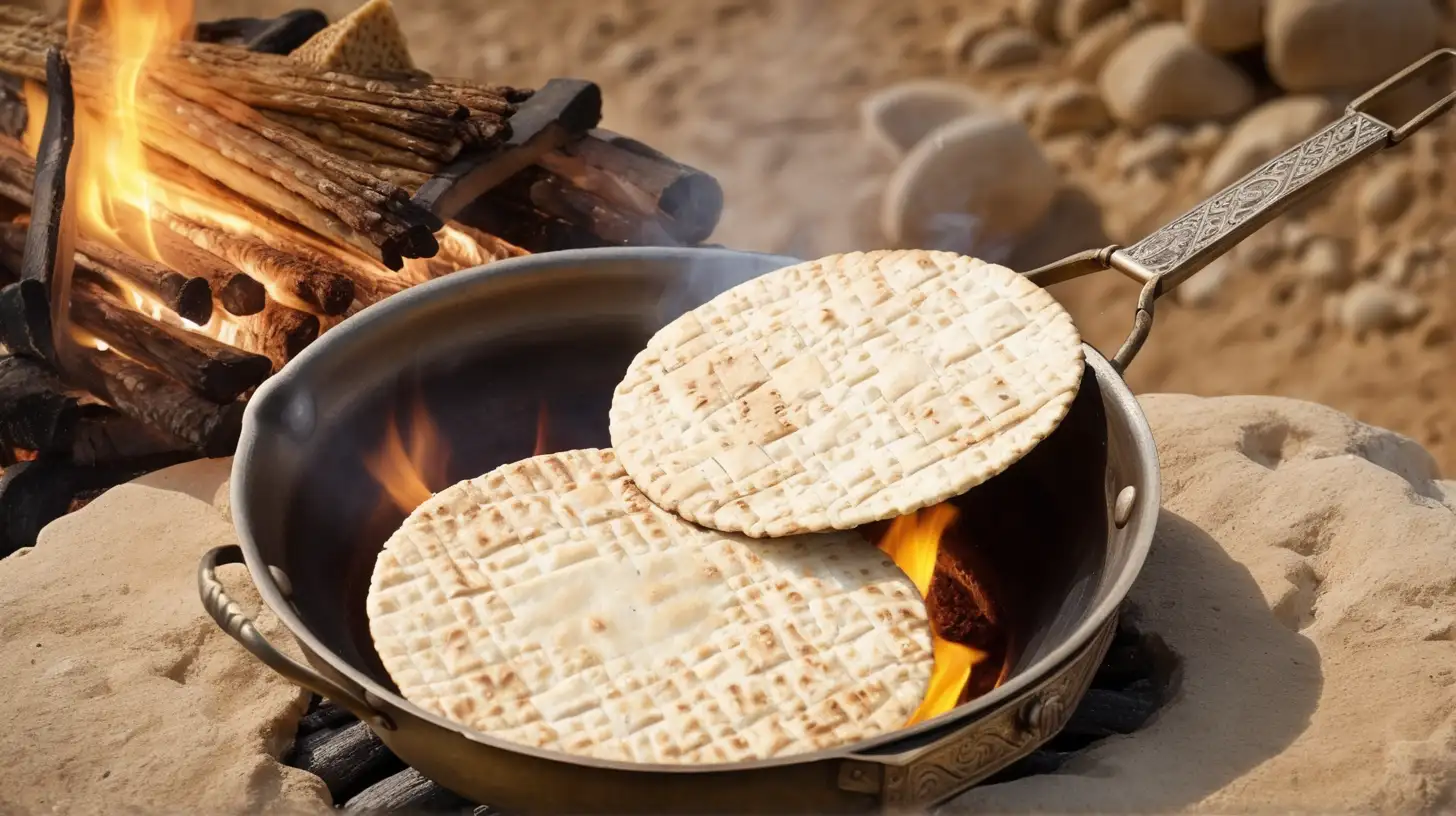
[(843, 391), (550, 604)]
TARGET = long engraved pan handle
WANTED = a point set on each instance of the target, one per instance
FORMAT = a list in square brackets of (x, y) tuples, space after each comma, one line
[(1190, 242), (240, 627)]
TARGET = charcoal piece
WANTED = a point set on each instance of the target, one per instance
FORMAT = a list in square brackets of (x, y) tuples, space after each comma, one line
[(154, 398), (409, 791), (36, 413), (279, 35), (348, 759), (13, 115), (35, 493), (106, 438), (1103, 713), (48, 241), (326, 716), (25, 320)]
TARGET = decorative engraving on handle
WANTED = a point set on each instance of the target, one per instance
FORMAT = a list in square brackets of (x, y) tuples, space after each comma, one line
[(1219, 219), (986, 747)]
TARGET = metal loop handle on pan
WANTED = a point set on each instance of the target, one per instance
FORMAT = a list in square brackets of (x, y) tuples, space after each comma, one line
[(1190, 242), (240, 627)]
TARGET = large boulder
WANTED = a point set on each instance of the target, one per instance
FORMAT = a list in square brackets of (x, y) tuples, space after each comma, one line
[(1161, 75), (1225, 25), (897, 117), (975, 185), (1264, 133), (1302, 572), (1318, 45), (122, 694)]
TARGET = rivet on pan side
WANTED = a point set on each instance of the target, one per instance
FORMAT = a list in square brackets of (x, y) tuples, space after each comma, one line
[(1122, 508)]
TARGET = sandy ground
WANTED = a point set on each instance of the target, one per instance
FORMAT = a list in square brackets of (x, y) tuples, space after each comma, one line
[(764, 94)]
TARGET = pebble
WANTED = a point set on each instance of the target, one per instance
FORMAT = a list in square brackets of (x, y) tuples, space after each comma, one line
[(1158, 153), (1086, 56), (1313, 45), (1203, 140), (1039, 16), (897, 117), (1076, 16), (1387, 195), (1326, 264), (1201, 289), (1160, 75), (1264, 133), (1225, 25), (976, 184), (1375, 306), (1072, 107), (1005, 48), (964, 36)]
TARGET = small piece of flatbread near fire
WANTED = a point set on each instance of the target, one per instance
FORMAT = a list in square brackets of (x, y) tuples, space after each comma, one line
[(368, 42), (550, 604), (843, 391)]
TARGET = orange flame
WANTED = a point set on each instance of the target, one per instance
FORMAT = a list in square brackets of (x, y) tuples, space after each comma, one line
[(913, 542), (542, 423), (406, 472)]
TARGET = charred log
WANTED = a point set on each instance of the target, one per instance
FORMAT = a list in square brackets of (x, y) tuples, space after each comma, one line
[(49, 240), (408, 791), (105, 438), (235, 291), (211, 368), (186, 296), (278, 332), (25, 320), (151, 397), (348, 760), (36, 412), (279, 35)]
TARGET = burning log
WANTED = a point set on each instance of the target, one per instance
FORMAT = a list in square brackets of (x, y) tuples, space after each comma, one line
[(278, 332), (188, 297), (162, 402), (105, 438), (291, 280), (211, 368), (36, 412), (236, 292), (424, 159), (25, 319)]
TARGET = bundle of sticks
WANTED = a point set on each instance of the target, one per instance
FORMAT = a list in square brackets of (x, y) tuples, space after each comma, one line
[(336, 153)]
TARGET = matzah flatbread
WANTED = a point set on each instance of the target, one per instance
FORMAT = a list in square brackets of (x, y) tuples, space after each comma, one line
[(550, 604), (843, 391), (368, 42)]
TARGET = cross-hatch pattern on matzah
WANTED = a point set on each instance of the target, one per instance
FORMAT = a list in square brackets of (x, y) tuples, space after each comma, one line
[(550, 604), (838, 392)]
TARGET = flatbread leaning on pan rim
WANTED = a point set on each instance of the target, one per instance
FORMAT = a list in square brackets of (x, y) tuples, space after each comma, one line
[(847, 390), (550, 604)]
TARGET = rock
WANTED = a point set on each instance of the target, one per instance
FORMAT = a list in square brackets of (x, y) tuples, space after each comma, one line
[(1086, 56), (123, 695), (1076, 16), (1225, 25), (1160, 75), (960, 43), (1006, 48), (1387, 195), (974, 185), (1316, 45), (1160, 9), (1326, 264), (1201, 289), (1204, 140), (1039, 16), (1157, 152), (1264, 133), (1021, 105), (1072, 107), (1300, 560), (895, 118), (1374, 306)]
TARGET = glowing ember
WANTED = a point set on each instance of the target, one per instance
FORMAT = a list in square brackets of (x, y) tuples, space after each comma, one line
[(406, 472), (913, 542)]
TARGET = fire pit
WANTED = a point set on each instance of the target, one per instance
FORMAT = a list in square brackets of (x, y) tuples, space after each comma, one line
[(496, 364), (232, 205)]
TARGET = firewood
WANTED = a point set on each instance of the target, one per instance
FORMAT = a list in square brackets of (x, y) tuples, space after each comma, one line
[(187, 296), (278, 332), (36, 411), (347, 760), (554, 195), (154, 398), (13, 115), (362, 147), (291, 280), (279, 35), (237, 292), (408, 791), (211, 368), (50, 239), (25, 320), (32, 495), (107, 438)]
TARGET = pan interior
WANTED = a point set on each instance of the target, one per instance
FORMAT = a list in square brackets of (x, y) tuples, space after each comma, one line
[(561, 338)]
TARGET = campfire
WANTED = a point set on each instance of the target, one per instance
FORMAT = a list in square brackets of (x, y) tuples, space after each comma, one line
[(186, 207)]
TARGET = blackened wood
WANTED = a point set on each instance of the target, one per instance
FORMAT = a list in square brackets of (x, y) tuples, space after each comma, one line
[(154, 398), (554, 195), (278, 35), (49, 240), (106, 438), (25, 320), (13, 114), (279, 332), (186, 296), (326, 716), (35, 493), (211, 368), (36, 412), (17, 172), (562, 110), (348, 759), (236, 292), (507, 212), (408, 791)]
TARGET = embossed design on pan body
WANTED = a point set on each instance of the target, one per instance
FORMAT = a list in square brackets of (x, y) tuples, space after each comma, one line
[(1220, 217)]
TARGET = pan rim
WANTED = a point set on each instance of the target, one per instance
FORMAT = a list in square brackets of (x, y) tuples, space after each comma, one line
[(1143, 520)]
